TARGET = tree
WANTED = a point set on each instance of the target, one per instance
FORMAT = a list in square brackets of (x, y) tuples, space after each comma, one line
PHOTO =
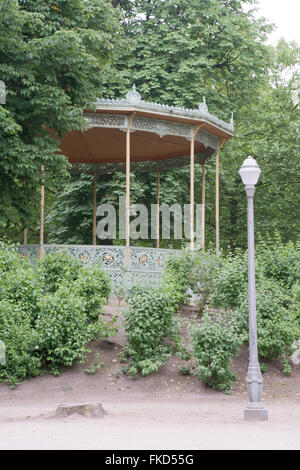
[(176, 52), (52, 55), (268, 129)]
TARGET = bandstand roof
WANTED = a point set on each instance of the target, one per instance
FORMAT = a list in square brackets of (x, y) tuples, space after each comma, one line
[(160, 136)]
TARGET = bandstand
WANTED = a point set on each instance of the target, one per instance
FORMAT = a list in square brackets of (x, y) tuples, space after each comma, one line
[(132, 135)]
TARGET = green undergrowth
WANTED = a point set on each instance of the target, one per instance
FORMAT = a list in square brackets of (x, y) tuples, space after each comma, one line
[(50, 311)]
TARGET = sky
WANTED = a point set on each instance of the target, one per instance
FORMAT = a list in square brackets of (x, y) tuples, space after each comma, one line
[(286, 16)]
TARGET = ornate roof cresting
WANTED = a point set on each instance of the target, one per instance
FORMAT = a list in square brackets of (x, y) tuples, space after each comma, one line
[(133, 99)]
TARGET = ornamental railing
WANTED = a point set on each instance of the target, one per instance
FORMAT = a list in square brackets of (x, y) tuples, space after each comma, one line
[(146, 264)]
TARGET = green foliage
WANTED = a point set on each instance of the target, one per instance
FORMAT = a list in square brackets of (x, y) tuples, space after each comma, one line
[(277, 300), (9, 258), (277, 326), (191, 273), (184, 370), (49, 312), (22, 285), (64, 329), (57, 268), (274, 261), (150, 330), (176, 52), (93, 285), (231, 279), (279, 261), (205, 271), (177, 278), (52, 57), (295, 304), (21, 343), (214, 343), (96, 364)]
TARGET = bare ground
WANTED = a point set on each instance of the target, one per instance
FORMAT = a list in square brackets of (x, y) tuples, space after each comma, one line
[(162, 411)]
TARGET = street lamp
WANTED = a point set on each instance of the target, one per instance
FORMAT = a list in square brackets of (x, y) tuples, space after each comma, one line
[(255, 411)]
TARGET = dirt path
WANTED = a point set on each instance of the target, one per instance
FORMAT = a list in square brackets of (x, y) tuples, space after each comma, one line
[(162, 411), (144, 422)]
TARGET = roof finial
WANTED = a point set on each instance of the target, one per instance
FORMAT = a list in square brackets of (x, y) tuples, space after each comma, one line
[(133, 96), (231, 119), (203, 106)]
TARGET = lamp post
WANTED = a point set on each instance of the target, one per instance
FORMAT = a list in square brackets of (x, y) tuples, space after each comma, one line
[(255, 411)]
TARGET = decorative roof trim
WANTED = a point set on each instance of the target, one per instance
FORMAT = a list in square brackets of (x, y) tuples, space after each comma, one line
[(133, 99)]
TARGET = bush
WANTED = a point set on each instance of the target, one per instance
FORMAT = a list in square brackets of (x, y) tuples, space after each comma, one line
[(149, 323), (177, 278), (231, 280), (94, 286), (49, 311), (214, 343), (64, 329), (9, 258), (21, 343), (22, 285), (280, 262), (56, 268), (204, 272), (277, 326), (295, 303), (191, 273)]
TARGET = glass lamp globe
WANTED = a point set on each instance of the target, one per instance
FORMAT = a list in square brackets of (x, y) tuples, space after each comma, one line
[(249, 171)]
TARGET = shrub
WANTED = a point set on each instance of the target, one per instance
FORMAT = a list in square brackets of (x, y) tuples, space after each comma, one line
[(204, 272), (280, 262), (22, 285), (149, 323), (21, 343), (177, 278), (56, 268), (191, 273), (214, 343), (49, 311), (9, 258), (295, 303), (277, 326), (231, 280), (64, 329), (94, 286)]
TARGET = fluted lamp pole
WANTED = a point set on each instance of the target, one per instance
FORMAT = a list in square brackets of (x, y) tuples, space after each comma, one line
[(255, 411)]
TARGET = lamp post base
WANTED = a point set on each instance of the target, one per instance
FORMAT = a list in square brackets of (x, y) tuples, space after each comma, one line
[(255, 412)]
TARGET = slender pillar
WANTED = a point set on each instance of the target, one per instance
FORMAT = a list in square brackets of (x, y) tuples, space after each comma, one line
[(41, 250), (203, 209), (217, 200), (192, 196), (127, 249), (157, 208), (192, 185), (25, 236), (94, 207)]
